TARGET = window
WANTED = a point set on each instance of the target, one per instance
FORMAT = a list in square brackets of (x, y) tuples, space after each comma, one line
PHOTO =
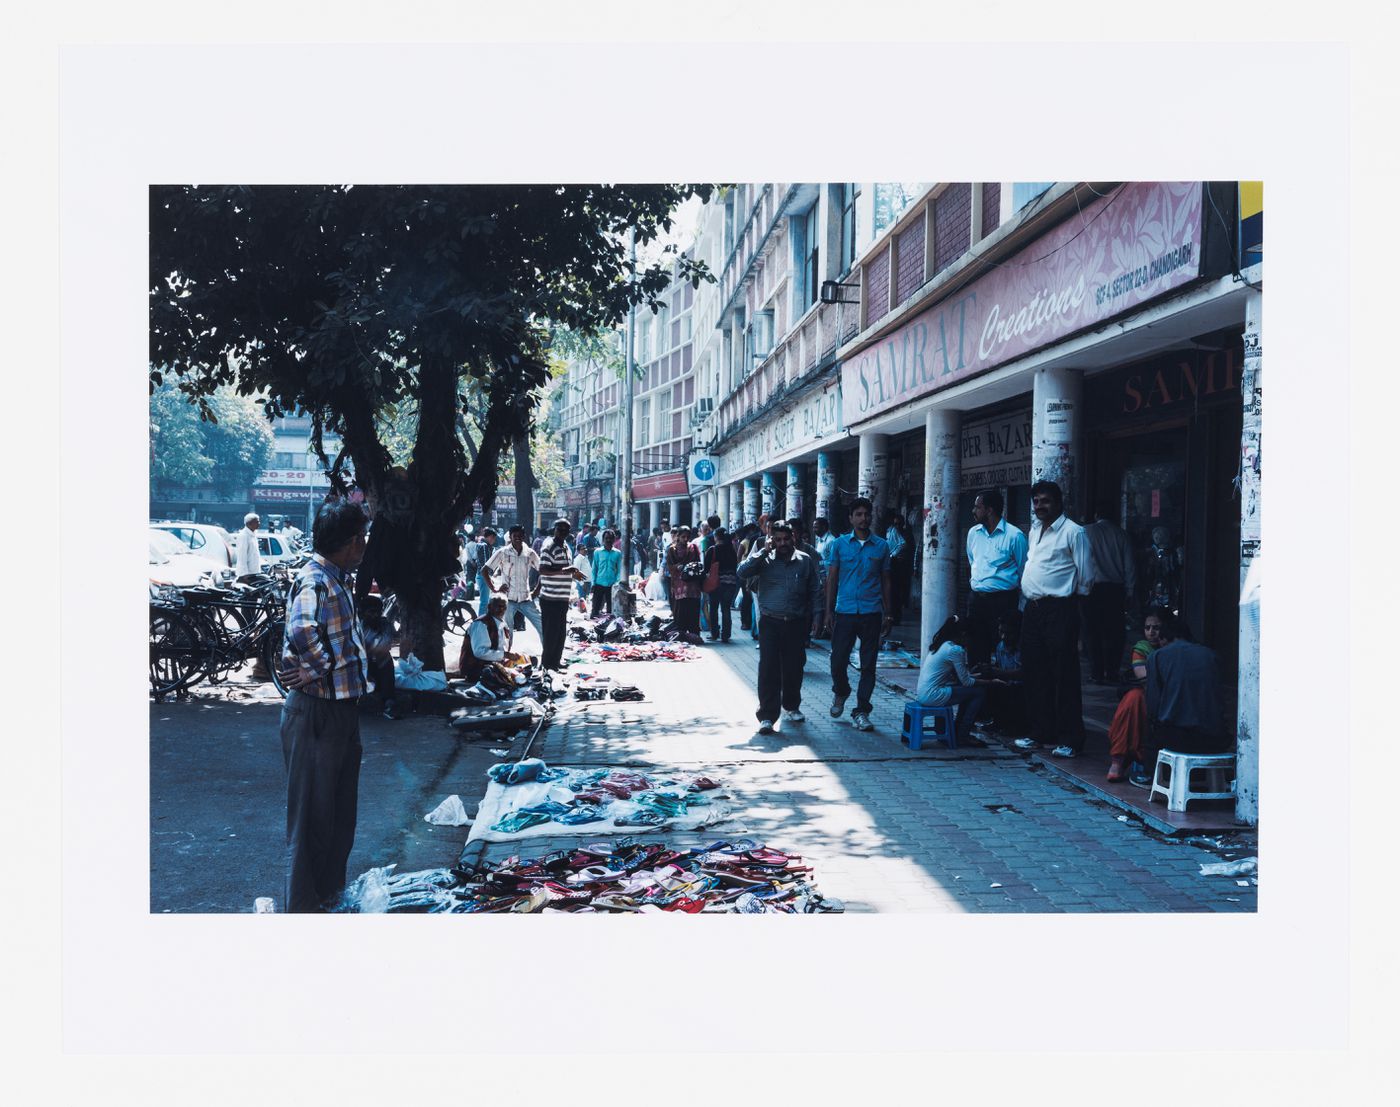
[(848, 194), (643, 422), (1023, 192), (811, 275), (663, 414)]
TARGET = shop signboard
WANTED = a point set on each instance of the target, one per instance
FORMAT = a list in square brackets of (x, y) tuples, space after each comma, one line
[(792, 433), (661, 486), (701, 471), (287, 495), (996, 452), (1137, 243)]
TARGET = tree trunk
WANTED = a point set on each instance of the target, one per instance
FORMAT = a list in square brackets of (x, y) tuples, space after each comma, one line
[(524, 484)]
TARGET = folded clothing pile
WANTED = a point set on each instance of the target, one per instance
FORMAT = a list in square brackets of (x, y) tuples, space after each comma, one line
[(725, 877), (615, 796)]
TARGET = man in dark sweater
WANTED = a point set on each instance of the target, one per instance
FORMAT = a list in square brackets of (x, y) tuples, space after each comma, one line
[(789, 604), (1183, 699)]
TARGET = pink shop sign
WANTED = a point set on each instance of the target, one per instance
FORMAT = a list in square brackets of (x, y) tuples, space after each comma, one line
[(1140, 241)]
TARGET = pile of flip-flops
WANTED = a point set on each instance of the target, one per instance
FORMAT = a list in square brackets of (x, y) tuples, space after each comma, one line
[(732, 877), (639, 651)]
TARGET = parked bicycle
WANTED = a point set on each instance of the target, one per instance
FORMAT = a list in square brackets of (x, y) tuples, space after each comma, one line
[(206, 633)]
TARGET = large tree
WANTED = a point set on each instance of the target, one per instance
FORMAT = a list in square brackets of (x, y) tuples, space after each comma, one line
[(345, 301), (227, 447)]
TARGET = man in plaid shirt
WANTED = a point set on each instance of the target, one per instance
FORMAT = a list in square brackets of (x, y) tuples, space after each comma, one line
[(324, 664)]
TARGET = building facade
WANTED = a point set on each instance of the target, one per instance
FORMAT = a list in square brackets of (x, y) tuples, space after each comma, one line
[(982, 335)]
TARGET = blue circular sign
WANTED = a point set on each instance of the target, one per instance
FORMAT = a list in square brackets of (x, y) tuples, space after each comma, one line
[(705, 469)]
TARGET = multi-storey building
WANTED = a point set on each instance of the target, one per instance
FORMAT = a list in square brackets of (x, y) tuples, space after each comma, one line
[(917, 344), (588, 414)]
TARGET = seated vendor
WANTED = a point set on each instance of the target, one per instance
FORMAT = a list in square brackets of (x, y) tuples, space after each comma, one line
[(1006, 690), (488, 641), (944, 679), (1183, 698), (1129, 725), (379, 635)]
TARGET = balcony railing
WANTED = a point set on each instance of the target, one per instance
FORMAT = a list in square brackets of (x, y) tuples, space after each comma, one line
[(817, 335)]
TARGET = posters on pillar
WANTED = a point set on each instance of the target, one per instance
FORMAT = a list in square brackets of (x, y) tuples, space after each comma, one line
[(792, 433), (1059, 421), (996, 453)]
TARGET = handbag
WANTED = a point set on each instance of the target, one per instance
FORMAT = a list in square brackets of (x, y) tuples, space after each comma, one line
[(712, 577), (694, 570)]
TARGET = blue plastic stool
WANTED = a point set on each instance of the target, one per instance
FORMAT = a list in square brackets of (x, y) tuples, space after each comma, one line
[(943, 718)]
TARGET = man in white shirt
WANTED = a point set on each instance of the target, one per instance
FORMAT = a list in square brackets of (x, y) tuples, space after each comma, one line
[(996, 551), (1059, 567), (1115, 585), (508, 571), (247, 561), (488, 641)]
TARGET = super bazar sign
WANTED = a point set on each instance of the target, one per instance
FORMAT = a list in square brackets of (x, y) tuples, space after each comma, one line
[(1136, 243)]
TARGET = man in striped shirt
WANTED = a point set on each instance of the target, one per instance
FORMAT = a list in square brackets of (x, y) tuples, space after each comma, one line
[(557, 576), (324, 665)]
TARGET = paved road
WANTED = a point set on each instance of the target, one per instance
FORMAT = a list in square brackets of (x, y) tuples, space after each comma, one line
[(885, 828)]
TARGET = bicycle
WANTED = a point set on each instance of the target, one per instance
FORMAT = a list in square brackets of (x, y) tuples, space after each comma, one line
[(199, 633), (458, 613)]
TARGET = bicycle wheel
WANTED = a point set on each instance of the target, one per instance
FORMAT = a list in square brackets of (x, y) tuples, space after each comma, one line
[(457, 616), (272, 658), (177, 652)]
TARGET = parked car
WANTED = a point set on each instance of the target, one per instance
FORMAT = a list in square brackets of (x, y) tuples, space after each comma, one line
[(205, 539), (277, 547), (172, 562)]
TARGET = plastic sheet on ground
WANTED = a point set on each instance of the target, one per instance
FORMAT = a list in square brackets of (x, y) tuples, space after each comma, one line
[(638, 651), (503, 804)]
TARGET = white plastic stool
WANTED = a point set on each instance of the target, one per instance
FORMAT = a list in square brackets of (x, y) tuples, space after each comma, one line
[(1177, 785)]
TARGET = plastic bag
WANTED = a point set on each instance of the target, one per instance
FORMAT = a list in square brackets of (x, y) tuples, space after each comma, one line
[(409, 673), (1245, 866), (450, 812), (654, 589), (368, 893)]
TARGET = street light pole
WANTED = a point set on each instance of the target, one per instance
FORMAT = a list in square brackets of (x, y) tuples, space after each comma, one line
[(628, 380)]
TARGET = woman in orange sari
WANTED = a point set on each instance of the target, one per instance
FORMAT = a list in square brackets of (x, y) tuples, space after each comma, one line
[(1130, 720)]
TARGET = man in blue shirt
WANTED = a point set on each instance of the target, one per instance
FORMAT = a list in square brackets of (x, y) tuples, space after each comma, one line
[(857, 606), (996, 550)]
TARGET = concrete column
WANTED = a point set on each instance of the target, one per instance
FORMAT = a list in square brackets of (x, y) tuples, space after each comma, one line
[(941, 549), (725, 505), (1055, 434), (794, 490), (675, 516), (770, 494), (826, 484), (874, 464), (751, 500), (1247, 712), (655, 506)]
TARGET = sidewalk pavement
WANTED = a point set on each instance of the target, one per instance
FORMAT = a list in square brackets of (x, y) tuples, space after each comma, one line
[(886, 829)]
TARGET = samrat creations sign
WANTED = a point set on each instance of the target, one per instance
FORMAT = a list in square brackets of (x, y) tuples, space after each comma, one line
[(1135, 244)]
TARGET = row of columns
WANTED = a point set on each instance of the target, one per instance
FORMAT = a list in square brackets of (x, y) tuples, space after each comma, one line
[(1056, 453)]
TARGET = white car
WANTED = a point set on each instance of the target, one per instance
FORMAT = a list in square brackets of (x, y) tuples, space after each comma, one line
[(174, 563), (204, 539), (275, 547)]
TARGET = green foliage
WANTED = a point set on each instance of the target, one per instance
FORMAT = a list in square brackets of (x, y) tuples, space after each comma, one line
[(227, 449)]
